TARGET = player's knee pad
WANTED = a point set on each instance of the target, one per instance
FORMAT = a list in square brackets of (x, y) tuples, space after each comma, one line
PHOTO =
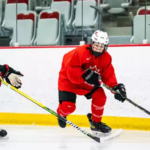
[(66, 108)]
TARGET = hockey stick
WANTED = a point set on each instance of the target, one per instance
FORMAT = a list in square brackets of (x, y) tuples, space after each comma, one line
[(130, 101), (52, 112), (89, 95), (97, 139)]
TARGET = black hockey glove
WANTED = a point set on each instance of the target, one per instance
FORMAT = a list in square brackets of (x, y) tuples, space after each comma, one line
[(120, 92), (91, 77), (11, 76)]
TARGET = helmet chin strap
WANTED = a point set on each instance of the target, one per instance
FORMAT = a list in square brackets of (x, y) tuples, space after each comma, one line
[(96, 54)]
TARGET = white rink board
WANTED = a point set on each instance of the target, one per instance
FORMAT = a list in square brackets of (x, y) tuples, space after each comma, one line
[(40, 67)]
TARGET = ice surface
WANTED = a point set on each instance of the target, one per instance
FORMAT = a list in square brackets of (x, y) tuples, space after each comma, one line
[(55, 138)]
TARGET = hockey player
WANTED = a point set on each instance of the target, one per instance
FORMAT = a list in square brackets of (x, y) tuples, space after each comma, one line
[(83, 69), (12, 77)]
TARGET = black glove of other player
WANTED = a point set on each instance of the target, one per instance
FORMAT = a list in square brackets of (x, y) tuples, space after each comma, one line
[(91, 77), (11, 76), (120, 92)]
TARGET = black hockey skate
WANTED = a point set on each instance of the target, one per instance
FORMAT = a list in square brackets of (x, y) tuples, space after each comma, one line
[(61, 123), (3, 133), (98, 128)]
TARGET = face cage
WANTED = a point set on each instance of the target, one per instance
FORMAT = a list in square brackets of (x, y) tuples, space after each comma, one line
[(97, 54), (105, 46)]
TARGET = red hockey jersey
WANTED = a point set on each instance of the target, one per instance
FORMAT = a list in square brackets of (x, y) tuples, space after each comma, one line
[(76, 62)]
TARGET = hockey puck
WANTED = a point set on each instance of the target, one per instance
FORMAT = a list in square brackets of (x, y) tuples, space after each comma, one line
[(3, 133)]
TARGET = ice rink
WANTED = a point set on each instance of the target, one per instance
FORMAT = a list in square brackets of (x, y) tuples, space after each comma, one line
[(55, 138)]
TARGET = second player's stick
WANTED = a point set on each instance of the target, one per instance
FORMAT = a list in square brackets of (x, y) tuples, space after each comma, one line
[(97, 139)]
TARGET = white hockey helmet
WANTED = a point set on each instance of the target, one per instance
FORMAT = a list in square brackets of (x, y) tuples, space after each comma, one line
[(100, 37)]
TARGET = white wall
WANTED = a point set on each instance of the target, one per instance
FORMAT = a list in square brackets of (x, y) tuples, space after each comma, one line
[(40, 67)]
